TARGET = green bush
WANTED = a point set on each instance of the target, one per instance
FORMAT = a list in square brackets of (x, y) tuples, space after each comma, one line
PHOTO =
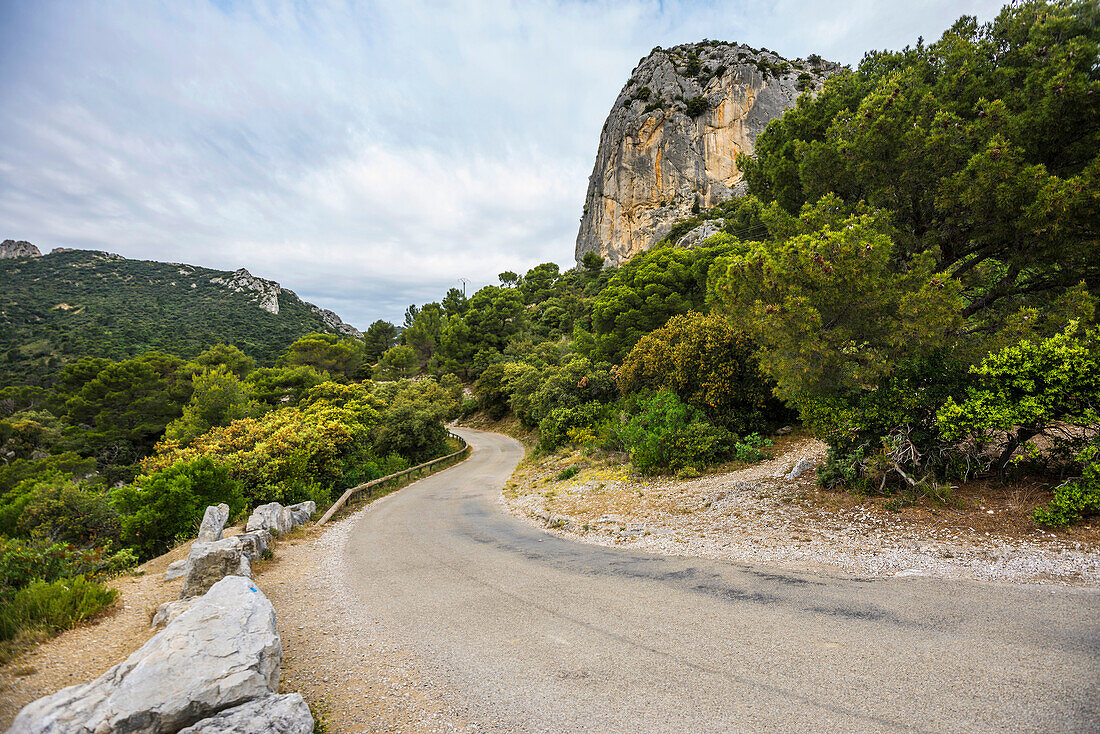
[(696, 106), (568, 473), (491, 391), (709, 365), (751, 448), (50, 606), (25, 561), (1073, 500), (667, 434), (160, 507), (555, 428), (62, 510), (412, 424), (1027, 390)]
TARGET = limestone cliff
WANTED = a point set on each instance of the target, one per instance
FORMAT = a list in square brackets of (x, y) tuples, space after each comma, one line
[(13, 248), (671, 141)]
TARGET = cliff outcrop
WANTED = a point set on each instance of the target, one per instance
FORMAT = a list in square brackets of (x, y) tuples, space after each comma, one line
[(670, 144), (18, 248)]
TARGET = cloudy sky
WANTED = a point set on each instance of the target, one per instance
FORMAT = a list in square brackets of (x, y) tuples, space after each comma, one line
[(365, 154)]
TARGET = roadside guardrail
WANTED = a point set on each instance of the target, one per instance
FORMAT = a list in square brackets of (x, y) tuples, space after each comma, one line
[(420, 469)]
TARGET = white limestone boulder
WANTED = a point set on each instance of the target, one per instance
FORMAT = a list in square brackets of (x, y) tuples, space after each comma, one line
[(211, 562), (301, 513), (272, 517), (254, 544), (211, 529), (222, 652), (213, 523), (166, 613), (285, 714)]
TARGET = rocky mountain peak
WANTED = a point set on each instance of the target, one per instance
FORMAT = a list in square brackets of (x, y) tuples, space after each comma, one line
[(266, 291), (18, 248), (671, 140)]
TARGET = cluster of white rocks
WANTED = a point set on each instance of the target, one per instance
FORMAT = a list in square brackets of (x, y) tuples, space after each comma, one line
[(213, 669)]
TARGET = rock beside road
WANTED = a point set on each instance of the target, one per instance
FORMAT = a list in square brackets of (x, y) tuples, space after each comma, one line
[(301, 513), (211, 562), (803, 466), (213, 523), (272, 517), (222, 652), (166, 613), (285, 714)]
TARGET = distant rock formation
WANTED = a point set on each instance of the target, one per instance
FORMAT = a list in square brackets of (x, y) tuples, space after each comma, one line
[(241, 281), (18, 248), (670, 143), (334, 322), (264, 293)]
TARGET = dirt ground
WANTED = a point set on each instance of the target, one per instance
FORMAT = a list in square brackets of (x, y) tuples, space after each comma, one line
[(753, 514)]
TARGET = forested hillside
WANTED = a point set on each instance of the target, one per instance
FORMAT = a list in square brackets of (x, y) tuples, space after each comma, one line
[(72, 303), (913, 273), (116, 461)]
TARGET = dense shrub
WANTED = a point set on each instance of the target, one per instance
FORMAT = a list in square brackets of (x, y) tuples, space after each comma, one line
[(318, 442), (168, 504), (649, 290), (23, 561), (219, 398), (59, 509), (710, 366), (560, 424), (667, 435), (492, 392), (412, 423), (1029, 390), (1075, 499), (696, 106), (50, 606)]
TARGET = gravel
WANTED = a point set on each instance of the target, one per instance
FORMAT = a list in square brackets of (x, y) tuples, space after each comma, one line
[(757, 515), (340, 660)]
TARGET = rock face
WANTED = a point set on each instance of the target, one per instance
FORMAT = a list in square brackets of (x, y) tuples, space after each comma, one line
[(272, 517), (241, 281), (211, 562), (213, 522), (285, 714), (335, 323), (18, 248), (222, 652), (671, 141)]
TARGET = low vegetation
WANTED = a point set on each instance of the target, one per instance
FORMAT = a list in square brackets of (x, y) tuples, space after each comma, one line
[(115, 462)]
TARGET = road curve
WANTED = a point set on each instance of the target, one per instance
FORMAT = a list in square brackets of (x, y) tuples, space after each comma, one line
[(535, 633)]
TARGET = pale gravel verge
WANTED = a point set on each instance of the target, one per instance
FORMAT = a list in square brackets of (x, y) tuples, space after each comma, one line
[(346, 665), (753, 516)]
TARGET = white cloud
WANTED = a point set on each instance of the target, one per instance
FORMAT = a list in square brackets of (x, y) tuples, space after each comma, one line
[(366, 155)]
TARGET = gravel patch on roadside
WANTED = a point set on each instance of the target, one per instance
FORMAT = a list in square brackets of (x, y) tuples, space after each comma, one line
[(342, 663), (757, 516)]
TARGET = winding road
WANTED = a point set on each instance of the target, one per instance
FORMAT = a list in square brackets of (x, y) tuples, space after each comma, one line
[(535, 633)]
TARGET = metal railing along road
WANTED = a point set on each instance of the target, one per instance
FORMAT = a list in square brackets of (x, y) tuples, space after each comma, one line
[(419, 469)]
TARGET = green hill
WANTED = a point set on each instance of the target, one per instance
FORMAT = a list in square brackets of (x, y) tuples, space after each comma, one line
[(73, 303)]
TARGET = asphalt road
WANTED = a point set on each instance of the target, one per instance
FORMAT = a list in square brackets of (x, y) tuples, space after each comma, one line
[(535, 633)]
